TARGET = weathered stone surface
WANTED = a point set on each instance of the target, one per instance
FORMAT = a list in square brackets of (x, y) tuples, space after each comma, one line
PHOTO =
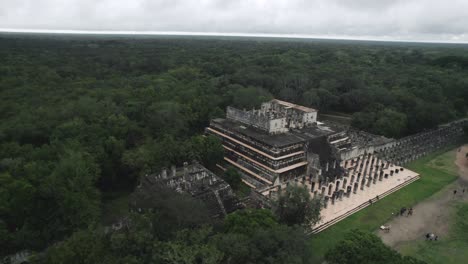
[(193, 179)]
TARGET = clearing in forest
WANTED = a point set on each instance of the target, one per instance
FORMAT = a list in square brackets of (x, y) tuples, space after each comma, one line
[(444, 214)]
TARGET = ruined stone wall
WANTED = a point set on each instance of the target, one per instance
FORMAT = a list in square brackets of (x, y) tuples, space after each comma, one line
[(415, 146), (273, 117), (355, 152), (313, 164), (309, 118), (366, 165), (248, 118), (193, 179), (258, 119), (277, 125)]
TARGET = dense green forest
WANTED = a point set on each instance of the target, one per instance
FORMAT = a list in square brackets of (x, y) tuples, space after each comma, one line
[(86, 115)]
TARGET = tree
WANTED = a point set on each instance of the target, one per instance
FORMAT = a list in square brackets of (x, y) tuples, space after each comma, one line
[(133, 106), (390, 123), (278, 244), (363, 120), (250, 97), (361, 247), (213, 151), (233, 177), (207, 149), (16, 197), (354, 100), (135, 242), (111, 163), (310, 98), (190, 246), (87, 246), (74, 199), (296, 207), (167, 117), (6, 239), (327, 99), (248, 221), (172, 211)]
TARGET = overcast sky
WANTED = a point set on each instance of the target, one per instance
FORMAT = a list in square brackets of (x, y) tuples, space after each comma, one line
[(422, 20)]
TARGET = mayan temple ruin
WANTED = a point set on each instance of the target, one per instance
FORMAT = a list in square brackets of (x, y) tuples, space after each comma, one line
[(192, 179), (283, 143)]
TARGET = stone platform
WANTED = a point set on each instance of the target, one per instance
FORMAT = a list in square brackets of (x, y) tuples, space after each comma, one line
[(347, 205)]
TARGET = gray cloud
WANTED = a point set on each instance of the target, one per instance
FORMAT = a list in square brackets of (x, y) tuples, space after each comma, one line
[(433, 20)]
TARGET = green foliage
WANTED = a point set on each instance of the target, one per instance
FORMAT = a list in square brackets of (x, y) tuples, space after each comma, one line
[(84, 112), (135, 242), (82, 247), (296, 207), (233, 177), (250, 97), (190, 247), (166, 118), (278, 244), (71, 186), (49, 201), (262, 241), (361, 247), (390, 123), (207, 149), (152, 155), (173, 211), (387, 122), (248, 221), (451, 61)]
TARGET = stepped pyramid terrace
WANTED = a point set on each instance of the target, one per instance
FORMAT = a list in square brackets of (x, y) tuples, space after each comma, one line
[(193, 179), (283, 143)]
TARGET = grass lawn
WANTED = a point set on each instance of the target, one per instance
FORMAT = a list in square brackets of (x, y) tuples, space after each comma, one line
[(450, 249), (370, 218), (445, 162)]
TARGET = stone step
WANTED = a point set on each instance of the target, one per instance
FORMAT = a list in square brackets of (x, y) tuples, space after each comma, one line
[(362, 206), (220, 203)]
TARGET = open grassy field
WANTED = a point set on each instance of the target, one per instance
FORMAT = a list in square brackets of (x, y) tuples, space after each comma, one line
[(450, 249), (445, 162), (369, 219)]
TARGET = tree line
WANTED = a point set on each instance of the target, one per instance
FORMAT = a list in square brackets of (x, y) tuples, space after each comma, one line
[(84, 116)]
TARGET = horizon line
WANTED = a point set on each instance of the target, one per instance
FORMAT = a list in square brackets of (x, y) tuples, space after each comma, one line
[(220, 34)]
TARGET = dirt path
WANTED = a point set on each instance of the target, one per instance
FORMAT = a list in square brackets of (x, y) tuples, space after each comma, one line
[(433, 214)]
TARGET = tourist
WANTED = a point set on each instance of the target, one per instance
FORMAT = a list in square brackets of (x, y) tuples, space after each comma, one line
[(402, 211), (410, 211)]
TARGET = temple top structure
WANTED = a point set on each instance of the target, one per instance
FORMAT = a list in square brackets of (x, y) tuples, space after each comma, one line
[(275, 116)]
